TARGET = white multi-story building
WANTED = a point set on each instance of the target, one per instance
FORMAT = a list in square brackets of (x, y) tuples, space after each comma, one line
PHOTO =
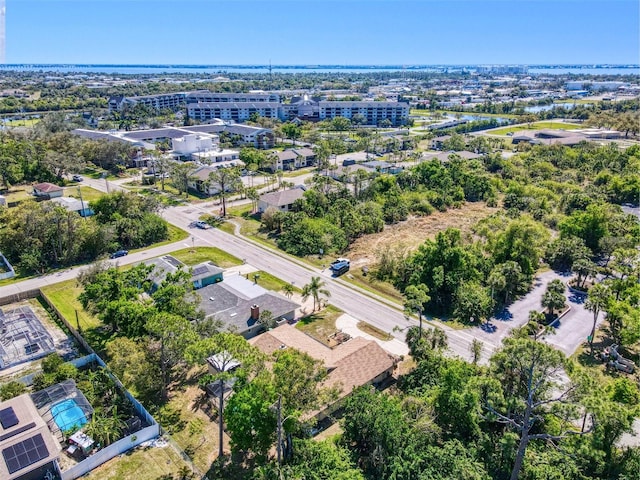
[(372, 112), (163, 101), (193, 143), (206, 96), (234, 111)]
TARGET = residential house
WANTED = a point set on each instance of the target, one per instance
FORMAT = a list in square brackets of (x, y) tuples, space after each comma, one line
[(74, 205), (202, 274), (354, 363), (437, 142), (282, 200), (29, 449), (47, 190), (199, 179), (238, 302), (293, 158), (382, 167)]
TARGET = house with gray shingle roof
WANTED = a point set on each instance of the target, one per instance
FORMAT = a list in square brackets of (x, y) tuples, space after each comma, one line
[(283, 200), (237, 302)]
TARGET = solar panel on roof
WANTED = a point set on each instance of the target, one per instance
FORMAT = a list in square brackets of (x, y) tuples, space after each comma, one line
[(200, 270), (25, 453), (8, 418)]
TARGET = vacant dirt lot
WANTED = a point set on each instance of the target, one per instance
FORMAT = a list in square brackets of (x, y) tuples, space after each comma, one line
[(414, 231)]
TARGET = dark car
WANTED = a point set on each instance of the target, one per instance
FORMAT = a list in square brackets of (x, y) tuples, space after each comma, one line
[(119, 253)]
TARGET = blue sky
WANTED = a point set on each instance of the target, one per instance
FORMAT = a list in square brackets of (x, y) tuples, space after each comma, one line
[(312, 32)]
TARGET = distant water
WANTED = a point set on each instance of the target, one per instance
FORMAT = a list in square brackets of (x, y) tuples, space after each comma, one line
[(221, 69)]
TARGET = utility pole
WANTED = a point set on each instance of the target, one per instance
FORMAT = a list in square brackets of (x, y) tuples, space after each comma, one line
[(221, 420), (81, 210), (279, 444)]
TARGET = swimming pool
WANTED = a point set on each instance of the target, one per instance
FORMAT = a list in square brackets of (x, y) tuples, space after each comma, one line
[(67, 415)]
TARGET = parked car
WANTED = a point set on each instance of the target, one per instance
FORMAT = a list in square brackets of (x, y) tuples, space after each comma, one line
[(338, 268), (77, 178), (340, 260), (120, 253)]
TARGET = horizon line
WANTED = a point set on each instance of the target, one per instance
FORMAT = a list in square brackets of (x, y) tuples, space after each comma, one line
[(334, 65)]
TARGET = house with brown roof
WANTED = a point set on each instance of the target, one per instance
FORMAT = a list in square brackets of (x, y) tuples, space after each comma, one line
[(48, 190), (283, 200), (354, 363)]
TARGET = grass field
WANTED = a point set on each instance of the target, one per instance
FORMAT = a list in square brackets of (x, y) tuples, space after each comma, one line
[(190, 256), (199, 436), (18, 193), (535, 126), (142, 463), (268, 281), (26, 122), (64, 296), (88, 194)]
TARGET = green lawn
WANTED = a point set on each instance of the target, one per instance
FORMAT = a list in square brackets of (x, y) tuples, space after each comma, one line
[(297, 173), (88, 194), (268, 281), (322, 324), (64, 296), (535, 126), (239, 210), (18, 193), (29, 122), (190, 256), (503, 115), (228, 227), (142, 463)]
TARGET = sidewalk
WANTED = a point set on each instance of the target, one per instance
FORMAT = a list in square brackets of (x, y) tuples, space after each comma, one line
[(348, 324)]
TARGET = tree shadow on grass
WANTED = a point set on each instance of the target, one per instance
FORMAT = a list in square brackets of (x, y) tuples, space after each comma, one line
[(234, 466)]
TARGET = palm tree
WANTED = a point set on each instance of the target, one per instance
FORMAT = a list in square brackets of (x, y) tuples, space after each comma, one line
[(598, 300), (288, 290), (227, 180), (416, 297), (315, 289), (254, 196), (553, 299), (104, 429)]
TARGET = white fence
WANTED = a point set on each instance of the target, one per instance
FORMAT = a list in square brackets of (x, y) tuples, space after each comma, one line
[(111, 451)]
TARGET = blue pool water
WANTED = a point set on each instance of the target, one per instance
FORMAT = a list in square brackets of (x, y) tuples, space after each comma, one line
[(68, 414)]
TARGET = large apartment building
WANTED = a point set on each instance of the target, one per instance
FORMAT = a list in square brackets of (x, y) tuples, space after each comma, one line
[(162, 101), (235, 111), (204, 105), (205, 96), (372, 112)]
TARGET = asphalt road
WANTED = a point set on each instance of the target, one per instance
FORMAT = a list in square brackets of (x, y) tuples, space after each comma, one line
[(376, 311), (571, 331)]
